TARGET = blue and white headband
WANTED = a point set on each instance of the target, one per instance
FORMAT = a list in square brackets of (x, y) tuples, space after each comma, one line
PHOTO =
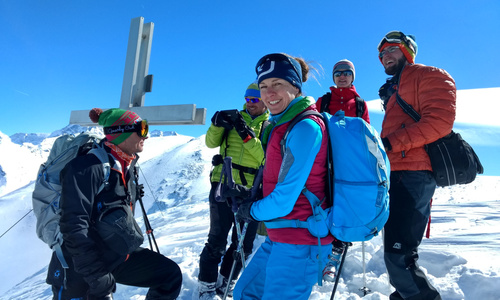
[(278, 65)]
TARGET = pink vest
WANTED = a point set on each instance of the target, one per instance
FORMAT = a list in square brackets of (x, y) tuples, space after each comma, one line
[(315, 183)]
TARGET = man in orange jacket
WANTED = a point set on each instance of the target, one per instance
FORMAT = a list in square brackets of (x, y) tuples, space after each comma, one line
[(431, 92)]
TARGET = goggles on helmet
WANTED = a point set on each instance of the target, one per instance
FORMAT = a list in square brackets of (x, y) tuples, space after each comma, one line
[(394, 37)]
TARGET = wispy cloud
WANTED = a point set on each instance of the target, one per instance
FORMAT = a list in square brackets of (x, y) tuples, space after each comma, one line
[(22, 93)]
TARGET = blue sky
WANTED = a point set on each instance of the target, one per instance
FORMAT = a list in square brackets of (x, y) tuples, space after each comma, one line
[(59, 56)]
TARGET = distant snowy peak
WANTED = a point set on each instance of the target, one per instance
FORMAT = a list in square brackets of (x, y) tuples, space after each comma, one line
[(38, 138), (76, 129), (158, 133), (33, 138)]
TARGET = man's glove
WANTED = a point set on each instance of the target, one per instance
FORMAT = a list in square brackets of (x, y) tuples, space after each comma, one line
[(221, 119), (243, 130), (243, 213), (140, 190), (100, 287), (239, 192)]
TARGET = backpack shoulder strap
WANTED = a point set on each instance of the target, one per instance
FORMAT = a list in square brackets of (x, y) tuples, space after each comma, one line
[(407, 108), (294, 121), (264, 125), (325, 102), (360, 106), (103, 156), (59, 253)]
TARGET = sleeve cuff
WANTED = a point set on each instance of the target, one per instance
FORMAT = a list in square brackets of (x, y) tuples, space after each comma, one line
[(387, 144), (249, 137)]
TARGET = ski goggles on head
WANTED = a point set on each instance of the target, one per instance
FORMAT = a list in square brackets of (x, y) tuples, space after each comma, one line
[(141, 128), (252, 99), (345, 73), (393, 37)]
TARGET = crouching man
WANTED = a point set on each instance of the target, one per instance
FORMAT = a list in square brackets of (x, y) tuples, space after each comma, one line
[(98, 254)]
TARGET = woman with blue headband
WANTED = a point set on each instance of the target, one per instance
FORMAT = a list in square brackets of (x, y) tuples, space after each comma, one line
[(286, 264)]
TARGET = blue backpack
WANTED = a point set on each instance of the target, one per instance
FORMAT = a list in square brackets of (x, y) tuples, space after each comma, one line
[(358, 182)]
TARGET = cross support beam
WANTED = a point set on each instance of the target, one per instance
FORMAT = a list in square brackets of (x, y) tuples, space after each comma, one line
[(186, 114), (137, 82), (136, 63)]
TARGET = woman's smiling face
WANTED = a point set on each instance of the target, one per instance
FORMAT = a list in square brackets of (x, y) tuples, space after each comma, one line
[(277, 94)]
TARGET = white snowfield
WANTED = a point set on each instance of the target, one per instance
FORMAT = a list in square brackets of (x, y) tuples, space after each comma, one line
[(461, 258)]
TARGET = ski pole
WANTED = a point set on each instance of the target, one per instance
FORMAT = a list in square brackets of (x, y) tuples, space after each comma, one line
[(337, 276), (364, 289), (149, 229), (240, 233), (239, 249)]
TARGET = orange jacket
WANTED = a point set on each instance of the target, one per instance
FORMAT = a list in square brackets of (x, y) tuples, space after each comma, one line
[(432, 93)]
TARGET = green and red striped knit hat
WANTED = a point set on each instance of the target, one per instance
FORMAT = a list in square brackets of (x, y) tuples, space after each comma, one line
[(114, 117)]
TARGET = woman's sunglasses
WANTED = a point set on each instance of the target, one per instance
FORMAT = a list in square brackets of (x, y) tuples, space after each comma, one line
[(345, 73), (141, 128)]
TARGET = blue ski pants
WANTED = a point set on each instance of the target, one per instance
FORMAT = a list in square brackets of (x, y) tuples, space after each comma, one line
[(281, 271)]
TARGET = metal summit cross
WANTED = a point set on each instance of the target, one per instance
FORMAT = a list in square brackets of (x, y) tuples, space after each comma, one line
[(136, 83)]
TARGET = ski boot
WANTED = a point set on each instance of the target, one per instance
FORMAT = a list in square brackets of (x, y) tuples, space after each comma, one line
[(206, 291), (223, 282), (333, 263)]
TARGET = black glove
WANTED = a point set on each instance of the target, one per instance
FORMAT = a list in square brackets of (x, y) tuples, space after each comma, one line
[(239, 192), (140, 191), (243, 130), (243, 213), (100, 287), (221, 119)]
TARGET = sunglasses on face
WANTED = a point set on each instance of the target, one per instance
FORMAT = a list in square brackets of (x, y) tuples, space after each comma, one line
[(345, 73), (141, 128), (387, 50), (253, 100)]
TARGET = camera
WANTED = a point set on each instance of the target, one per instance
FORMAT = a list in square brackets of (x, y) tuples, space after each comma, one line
[(233, 114)]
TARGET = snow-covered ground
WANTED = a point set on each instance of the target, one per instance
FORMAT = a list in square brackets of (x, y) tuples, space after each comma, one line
[(461, 258)]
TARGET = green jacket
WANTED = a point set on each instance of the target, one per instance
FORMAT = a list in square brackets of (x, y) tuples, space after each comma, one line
[(249, 154)]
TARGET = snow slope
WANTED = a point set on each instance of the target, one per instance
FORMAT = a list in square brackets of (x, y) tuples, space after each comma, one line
[(461, 258)]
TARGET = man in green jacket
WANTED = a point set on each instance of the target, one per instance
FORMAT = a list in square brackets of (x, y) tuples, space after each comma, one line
[(237, 134)]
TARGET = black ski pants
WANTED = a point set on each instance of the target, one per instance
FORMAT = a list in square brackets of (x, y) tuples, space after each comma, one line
[(143, 268), (221, 221), (410, 196)]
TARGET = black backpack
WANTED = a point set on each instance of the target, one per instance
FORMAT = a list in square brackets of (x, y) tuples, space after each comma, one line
[(453, 160), (325, 105)]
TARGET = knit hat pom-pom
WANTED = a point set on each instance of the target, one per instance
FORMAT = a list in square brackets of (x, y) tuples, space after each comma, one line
[(94, 114)]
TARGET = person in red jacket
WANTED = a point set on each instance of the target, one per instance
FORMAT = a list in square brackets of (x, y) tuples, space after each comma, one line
[(431, 92), (343, 95)]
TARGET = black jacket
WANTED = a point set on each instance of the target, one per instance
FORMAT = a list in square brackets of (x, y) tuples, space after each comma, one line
[(81, 179)]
